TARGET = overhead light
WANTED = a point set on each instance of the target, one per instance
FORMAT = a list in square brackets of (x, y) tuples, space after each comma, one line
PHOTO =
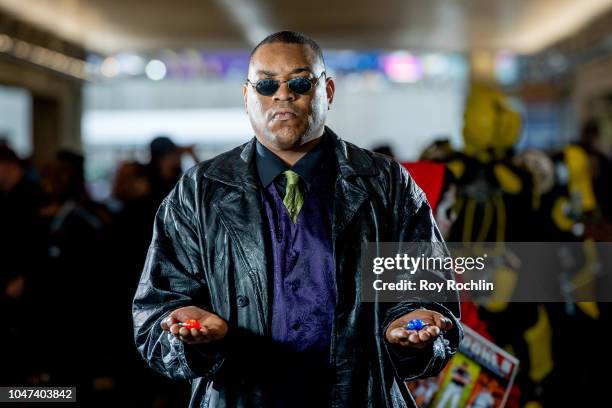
[(506, 68), (110, 67), (131, 64), (402, 67), (560, 20), (6, 43), (250, 17), (435, 65), (155, 70), (43, 57)]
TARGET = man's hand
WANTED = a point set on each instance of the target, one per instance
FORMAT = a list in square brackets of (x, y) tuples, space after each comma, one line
[(398, 334), (213, 327)]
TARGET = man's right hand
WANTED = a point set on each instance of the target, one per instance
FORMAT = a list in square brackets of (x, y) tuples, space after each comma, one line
[(213, 327)]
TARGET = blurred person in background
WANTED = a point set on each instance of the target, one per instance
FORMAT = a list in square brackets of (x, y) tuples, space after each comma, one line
[(77, 278), (131, 223), (600, 224), (165, 166), (22, 262), (493, 203), (530, 197), (129, 236), (385, 149), (440, 150), (442, 191), (573, 209)]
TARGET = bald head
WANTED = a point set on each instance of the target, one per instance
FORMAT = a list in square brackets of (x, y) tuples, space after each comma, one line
[(292, 37)]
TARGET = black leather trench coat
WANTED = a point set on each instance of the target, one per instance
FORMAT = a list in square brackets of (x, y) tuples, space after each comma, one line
[(209, 250)]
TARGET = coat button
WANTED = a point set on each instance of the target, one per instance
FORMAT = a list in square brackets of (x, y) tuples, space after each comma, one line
[(242, 300)]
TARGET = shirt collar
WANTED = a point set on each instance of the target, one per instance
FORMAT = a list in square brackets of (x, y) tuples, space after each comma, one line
[(270, 166)]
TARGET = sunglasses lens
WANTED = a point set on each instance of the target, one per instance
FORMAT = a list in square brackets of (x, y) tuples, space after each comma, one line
[(299, 85), (267, 87)]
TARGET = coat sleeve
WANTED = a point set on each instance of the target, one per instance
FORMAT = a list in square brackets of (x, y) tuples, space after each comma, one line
[(172, 278), (416, 224)]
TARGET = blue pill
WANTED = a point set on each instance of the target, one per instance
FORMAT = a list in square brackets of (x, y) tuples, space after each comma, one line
[(416, 324)]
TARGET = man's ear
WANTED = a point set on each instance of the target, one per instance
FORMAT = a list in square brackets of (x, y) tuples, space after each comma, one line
[(330, 88), (245, 91)]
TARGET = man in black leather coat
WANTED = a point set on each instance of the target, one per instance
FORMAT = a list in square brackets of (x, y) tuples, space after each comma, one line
[(210, 260)]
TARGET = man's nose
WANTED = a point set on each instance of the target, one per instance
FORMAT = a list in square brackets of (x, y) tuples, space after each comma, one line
[(284, 93)]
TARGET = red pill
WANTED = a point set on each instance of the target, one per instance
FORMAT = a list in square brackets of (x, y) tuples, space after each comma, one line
[(191, 324)]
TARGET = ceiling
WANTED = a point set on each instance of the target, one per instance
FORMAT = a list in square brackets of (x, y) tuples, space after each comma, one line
[(111, 26)]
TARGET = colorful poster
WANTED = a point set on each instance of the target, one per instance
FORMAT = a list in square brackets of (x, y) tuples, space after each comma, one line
[(480, 375)]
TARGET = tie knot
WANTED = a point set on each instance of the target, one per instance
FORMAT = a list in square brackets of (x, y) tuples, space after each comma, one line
[(292, 177), (293, 200)]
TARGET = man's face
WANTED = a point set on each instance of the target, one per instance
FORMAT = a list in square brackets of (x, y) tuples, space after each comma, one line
[(287, 119)]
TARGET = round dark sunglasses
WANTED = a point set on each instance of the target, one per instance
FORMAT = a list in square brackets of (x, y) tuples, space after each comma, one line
[(299, 85)]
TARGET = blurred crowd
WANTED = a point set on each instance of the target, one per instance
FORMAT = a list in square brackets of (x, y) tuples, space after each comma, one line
[(70, 268), (489, 192), (70, 265)]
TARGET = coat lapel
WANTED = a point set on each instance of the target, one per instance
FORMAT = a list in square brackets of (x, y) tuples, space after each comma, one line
[(351, 192), (241, 212)]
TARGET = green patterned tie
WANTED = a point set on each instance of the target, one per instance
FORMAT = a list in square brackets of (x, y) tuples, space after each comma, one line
[(293, 197)]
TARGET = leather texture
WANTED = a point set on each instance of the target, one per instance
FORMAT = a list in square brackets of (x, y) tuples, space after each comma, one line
[(209, 250)]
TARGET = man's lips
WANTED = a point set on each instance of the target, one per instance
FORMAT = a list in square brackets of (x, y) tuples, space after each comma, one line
[(283, 114)]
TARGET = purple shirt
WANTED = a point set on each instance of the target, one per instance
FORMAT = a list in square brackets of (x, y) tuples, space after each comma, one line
[(302, 260)]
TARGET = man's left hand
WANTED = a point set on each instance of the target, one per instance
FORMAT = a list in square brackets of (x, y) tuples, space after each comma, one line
[(399, 335)]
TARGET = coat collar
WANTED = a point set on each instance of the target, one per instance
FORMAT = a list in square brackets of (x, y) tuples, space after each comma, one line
[(237, 167)]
